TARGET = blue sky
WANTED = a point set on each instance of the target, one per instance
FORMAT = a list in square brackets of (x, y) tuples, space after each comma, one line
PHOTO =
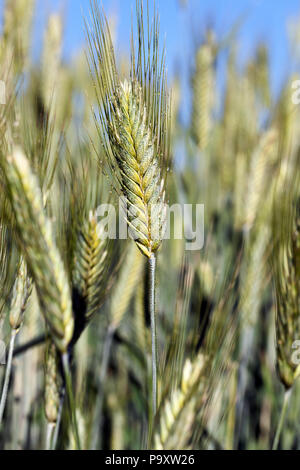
[(262, 20)]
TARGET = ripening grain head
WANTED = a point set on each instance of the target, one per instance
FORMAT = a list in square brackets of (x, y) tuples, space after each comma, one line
[(134, 125)]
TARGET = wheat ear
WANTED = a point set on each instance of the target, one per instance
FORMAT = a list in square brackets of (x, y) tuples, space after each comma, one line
[(140, 182), (287, 281), (262, 163), (178, 413), (21, 293), (286, 264), (35, 232), (203, 94), (90, 269), (139, 172)]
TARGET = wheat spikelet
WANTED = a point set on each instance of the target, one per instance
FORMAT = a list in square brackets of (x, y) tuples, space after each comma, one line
[(203, 94), (286, 269), (18, 15), (262, 163), (140, 179), (254, 274), (35, 232), (286, 119), (233, 120), (260, 73), (247, 122), (239, 190), (288, 306), (53, 382), (135, 127), (130, 276), (178, 413), (51, 59), (90, 267), (21, 293)]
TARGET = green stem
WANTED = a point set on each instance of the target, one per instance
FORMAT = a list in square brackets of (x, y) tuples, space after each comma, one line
[(72, 407), (151, 299), (286, 400), (7, 374), (49, 437), (57, 426)]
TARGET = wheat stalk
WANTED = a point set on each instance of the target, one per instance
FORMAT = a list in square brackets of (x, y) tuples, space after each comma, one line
[(134, 125), (35, 232)]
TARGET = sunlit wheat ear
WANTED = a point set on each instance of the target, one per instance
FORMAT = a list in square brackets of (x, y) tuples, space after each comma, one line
[(203, 94), (286, 266), (18, 16), (51, 59), (178, 414), (53, 382), (21, 293), (35, 233), (288, 309), (132, 144), (134, 126), (133, 122), (90, 276), (262, 164)]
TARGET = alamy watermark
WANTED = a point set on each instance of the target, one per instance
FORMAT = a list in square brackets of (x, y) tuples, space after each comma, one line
[(187, 221)]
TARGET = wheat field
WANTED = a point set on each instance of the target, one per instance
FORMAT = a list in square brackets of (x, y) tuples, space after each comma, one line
[(150, 340)]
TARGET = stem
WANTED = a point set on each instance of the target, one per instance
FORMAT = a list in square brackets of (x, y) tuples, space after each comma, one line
[(286, 399), (7, 374), (57, 427), (49, 437), (97, 426), (67, 372), (37, 341), (151, 299)]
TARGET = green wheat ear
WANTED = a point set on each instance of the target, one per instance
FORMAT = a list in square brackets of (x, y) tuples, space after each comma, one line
[(21, 293), (35, 233), (286, 266), (203, 84), (134, 124), (90, 267), (132, 144)]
